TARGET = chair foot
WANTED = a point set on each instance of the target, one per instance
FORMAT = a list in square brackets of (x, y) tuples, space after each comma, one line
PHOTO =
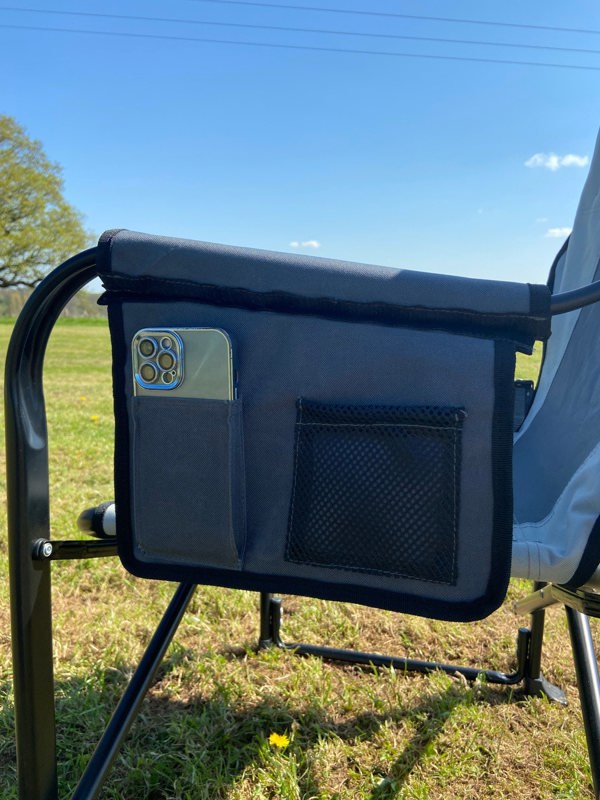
[(534, 683), (540, 687)]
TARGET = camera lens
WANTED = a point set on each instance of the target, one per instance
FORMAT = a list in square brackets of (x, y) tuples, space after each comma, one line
[(147, 346), (168, 377), (148, 372), (166, 360), (166, 343)]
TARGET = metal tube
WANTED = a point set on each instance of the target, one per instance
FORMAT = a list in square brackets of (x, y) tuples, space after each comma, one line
[(404, 664), (542, 598), (265, 638), (588, 683), (538, 618), (577, 298), (57, 550), (127, 709), (28, 520)]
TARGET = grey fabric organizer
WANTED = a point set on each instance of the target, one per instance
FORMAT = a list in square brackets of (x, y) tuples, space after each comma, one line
[(367, 456)]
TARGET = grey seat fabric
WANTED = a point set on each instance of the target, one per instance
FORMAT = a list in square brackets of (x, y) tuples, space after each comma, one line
[(556, 458)]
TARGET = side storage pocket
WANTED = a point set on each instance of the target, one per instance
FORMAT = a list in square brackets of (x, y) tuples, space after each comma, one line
[(377, 489), (188, 498)]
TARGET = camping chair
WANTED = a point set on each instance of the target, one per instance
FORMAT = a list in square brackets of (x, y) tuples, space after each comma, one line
[(357, 320)]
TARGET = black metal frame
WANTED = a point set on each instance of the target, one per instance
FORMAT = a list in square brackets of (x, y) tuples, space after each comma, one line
[(31, 550)]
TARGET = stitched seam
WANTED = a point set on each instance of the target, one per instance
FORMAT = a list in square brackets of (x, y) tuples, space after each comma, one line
[(296, 459), (374, 303), (508, 317), (523, 341), (231, 475), (377, 425), (455, 509), (369, 571)]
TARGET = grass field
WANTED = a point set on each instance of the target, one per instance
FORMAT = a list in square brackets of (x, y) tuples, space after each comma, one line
[(205, 727)]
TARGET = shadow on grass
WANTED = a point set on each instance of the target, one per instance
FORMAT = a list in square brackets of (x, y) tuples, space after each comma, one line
[(431, 718), (200, 747)]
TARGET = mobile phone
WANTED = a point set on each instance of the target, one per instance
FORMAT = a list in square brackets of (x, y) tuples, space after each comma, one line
[(183, 362)]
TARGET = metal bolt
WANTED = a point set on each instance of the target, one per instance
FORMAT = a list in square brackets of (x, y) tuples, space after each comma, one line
[(47, 549)]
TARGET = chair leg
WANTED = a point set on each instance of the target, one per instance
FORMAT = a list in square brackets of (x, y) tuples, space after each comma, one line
[(588, 683), (270, 615), (33, 677), (265, 637), (129, 705), (535, 684)]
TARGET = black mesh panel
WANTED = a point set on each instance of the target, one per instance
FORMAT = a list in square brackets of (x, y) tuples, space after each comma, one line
[(376, 490)]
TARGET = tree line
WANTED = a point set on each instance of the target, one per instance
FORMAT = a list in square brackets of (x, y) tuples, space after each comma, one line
[(83, 304), (39, 229)]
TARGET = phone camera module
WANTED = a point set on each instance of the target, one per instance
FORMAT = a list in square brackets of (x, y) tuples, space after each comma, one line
[(147, 346), (158, 356)]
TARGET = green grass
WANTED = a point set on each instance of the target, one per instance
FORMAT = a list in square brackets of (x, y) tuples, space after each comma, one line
[(529, 366), (205, 725)]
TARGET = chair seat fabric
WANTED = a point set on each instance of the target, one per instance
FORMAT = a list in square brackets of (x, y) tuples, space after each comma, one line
[(557, 450)]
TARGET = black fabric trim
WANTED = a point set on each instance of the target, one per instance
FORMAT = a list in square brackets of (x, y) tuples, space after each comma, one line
[(122, 475), (550, 285), (590, 559), (453, 611), (523, 329), (404, 603), (107, 236), (103, 258), (539, 304), (502, 472)]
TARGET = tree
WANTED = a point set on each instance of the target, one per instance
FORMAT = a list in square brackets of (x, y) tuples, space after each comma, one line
[(38, 228)]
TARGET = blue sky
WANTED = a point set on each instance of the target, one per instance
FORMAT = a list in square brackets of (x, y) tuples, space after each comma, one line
[(404, 161)]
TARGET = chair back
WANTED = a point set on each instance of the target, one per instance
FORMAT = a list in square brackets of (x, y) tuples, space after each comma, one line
[(556, 458)]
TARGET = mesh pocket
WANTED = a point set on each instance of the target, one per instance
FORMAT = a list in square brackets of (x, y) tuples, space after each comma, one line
[(376, 489)]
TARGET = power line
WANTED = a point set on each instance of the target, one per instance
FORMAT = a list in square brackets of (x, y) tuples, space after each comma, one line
[(313, 48), (396, 15), (295, 29)]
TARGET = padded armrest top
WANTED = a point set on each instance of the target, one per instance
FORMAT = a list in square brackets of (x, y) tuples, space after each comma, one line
[(146, 264)]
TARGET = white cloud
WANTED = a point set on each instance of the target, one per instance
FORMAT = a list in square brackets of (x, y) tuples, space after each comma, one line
[(571, 160), (558, 233), (553, 162), (308, 243)]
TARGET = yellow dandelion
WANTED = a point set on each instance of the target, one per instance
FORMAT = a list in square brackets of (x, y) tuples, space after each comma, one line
[(82, 398), (279, 740), (95, 418)]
